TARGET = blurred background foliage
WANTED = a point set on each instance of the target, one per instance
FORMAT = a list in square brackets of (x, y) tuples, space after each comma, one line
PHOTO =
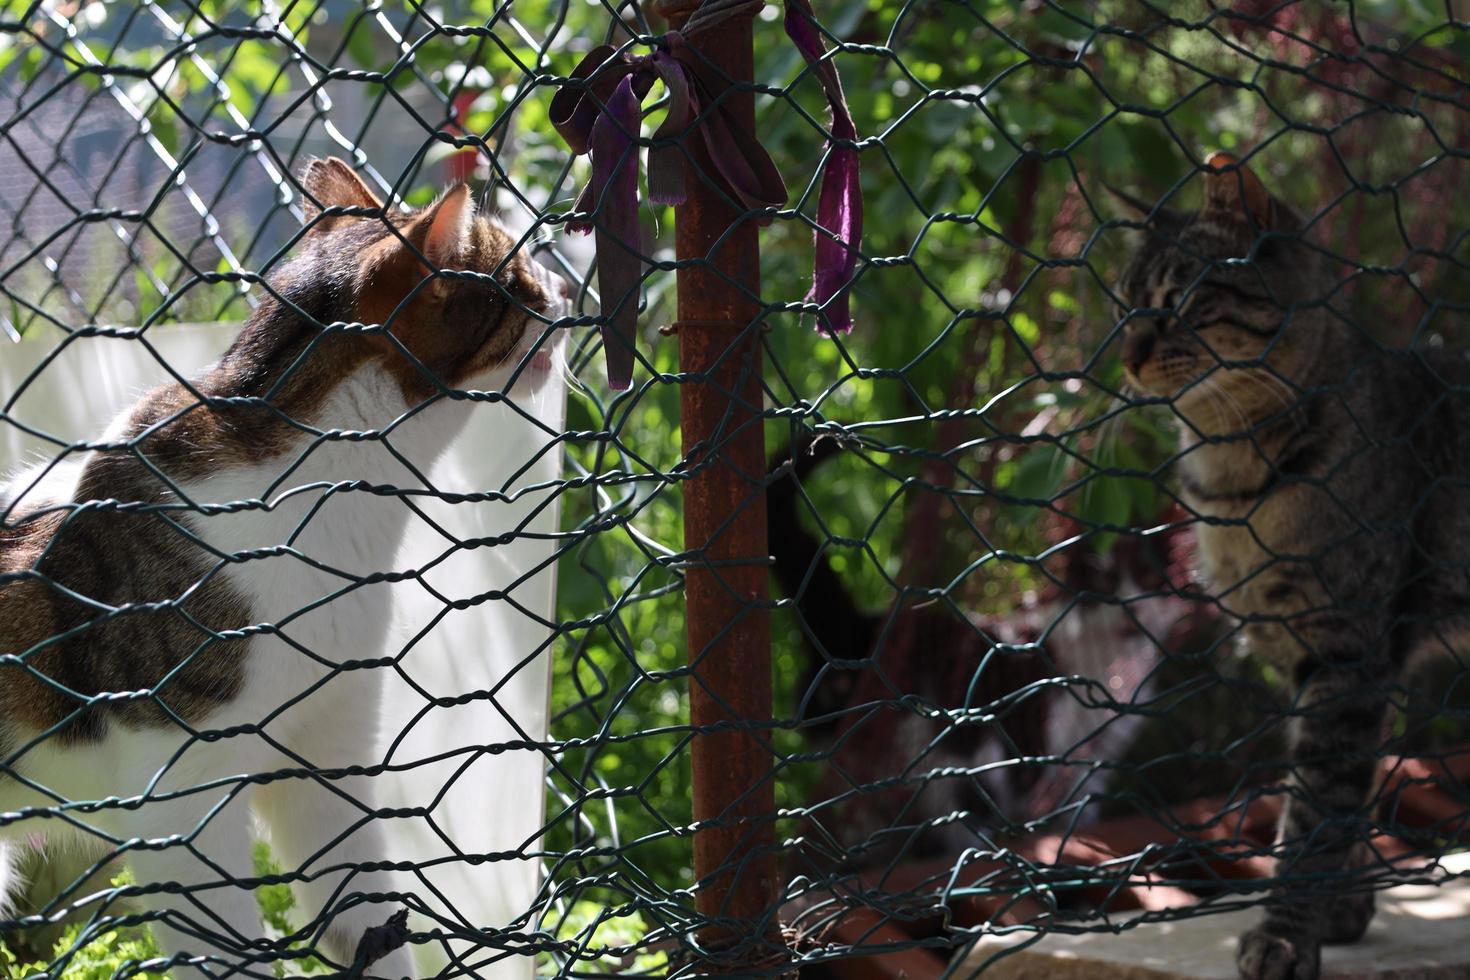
[(984, 323), (978, 398)]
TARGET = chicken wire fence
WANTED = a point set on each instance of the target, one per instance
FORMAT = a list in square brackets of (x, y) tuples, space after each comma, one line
[(1004, 703)]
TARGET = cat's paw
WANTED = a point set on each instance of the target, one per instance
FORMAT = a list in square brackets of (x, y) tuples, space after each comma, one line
[(1264, 955), (1348, 917)]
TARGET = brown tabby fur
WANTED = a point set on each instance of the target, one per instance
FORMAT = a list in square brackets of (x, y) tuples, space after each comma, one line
[(1330, 478)]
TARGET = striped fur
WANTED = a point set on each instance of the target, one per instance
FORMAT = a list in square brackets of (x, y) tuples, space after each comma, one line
[(1331, 483)]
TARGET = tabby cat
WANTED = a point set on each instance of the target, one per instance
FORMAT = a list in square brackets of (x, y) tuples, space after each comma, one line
[(1330, 479), (175, 608)]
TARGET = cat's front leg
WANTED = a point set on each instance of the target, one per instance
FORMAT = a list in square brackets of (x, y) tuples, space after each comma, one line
[(323, 829), (1335, 745), (178, 813), (1350, 913), (193, 850), (323, 826)]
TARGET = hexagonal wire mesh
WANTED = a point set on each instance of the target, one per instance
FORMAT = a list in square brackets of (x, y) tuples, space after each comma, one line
[(1006, 700)]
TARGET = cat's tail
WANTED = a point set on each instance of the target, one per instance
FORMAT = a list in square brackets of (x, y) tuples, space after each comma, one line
[(833, 626)]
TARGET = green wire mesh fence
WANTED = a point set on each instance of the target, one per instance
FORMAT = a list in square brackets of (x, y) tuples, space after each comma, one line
[(1008, 698)]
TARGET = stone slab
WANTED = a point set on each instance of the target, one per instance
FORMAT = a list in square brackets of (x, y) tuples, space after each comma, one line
[(1421, 932)]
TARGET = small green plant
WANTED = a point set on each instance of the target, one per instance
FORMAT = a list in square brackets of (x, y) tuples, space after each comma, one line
[(596, 939), (109, 955), (11, 966), (277, 902), (117, 952)]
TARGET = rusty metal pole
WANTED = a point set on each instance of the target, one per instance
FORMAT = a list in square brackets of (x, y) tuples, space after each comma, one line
[(726, 587)]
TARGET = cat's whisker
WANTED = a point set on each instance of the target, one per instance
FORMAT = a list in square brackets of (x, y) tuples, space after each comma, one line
[(1215, 406), (1211, 387), (1241, 414), (564, 367), (1273, 384), (1242, 377)]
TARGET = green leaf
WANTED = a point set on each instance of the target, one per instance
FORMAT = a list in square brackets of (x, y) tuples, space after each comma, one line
[(1040, 472)]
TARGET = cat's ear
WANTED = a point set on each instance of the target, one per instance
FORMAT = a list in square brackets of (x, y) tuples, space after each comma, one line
[(447, 227), (1138, 208), (440, 235), (1233, 192), (331, 183)]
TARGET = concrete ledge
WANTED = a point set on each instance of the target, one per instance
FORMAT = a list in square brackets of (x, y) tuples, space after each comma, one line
[(1421, 932)]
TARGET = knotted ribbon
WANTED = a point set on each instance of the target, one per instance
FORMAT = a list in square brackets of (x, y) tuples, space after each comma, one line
[(600, 114)]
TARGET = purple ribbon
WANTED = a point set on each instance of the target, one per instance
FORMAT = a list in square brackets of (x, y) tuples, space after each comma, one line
[(600, 114), (840, 206)]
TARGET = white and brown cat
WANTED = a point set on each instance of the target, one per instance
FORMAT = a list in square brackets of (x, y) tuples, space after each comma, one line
[(200, 601)]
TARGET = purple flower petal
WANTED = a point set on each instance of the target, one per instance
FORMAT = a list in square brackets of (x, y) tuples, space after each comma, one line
[(744, 169), (572, 113), (840, 213), (749, 174), (666, 162), (799, 23), (602, 114), (619, 247), (840, 205), (586, 201)]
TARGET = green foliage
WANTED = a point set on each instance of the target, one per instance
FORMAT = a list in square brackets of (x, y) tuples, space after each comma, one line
[(596, 939), (101, 957), (90, 954), (990, 283), (277, 902), (990, 129), (84, 952)]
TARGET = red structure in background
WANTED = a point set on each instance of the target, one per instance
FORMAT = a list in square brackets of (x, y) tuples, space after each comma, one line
[(461, 164)]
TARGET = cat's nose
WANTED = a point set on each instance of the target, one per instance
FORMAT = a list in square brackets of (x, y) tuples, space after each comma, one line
[(1137, 346)]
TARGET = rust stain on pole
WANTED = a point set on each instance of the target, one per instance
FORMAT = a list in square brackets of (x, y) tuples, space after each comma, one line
[(726, 588)]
